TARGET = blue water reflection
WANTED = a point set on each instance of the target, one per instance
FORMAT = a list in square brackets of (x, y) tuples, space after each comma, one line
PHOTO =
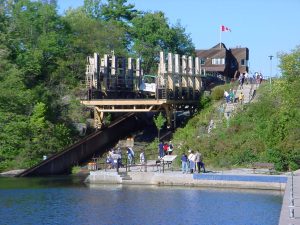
[(52, 201)]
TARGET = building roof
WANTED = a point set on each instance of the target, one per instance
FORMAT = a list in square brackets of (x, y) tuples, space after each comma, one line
[(218, 51), (240, 52), (232, 60)]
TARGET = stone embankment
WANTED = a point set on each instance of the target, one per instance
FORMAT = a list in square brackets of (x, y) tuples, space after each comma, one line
[(177, 178)]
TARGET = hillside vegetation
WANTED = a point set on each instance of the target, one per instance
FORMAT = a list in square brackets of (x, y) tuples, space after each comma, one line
[(267, 130)]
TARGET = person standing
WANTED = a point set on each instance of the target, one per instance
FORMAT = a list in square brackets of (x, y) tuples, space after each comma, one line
[(170, 148), (226, 95), (130, 155), (241, 98), (143, 161), (197, 161), (119, 152), (242, 80), (260, 78), (201, 163), (161, 149), (191, 159), (184, 163), (246, 77), (166, 147)]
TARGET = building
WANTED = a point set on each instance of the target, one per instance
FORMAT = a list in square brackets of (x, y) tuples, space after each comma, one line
[(223, 61)]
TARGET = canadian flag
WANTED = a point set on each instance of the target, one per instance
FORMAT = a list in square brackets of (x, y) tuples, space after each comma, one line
[(225, 29)]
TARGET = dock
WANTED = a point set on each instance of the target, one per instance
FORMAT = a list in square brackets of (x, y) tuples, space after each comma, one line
[(290, 211), (238, 179)]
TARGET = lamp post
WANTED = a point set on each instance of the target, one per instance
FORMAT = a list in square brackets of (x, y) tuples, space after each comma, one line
[(271, 57)]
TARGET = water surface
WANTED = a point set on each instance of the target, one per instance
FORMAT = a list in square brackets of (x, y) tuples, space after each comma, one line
[(66, 200)]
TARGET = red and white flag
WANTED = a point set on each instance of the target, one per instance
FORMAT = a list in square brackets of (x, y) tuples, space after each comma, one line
[(225, 29)]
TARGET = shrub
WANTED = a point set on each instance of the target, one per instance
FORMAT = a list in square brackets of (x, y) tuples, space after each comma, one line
[(217, 93)]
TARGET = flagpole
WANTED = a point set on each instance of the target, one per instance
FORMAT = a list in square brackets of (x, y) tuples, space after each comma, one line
[(220, 35)]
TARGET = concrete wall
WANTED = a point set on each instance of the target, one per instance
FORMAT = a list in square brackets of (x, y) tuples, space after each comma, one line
[(178, 179)]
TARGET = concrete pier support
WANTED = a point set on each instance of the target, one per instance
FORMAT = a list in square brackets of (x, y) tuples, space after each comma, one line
[(171, 83), (191, 78), (178, 76)]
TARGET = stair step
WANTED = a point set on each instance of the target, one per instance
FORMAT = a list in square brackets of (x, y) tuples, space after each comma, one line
[(124, 176)]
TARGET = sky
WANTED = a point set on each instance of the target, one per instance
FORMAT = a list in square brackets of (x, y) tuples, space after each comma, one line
[(266, 27)]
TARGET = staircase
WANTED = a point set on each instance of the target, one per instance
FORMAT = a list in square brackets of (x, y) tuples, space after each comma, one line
[(227, 109), (248, 91), (162, 93)]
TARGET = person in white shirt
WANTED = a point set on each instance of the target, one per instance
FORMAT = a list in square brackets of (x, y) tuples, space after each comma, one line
[(227, 97), (191, 159), (246, 77), (143, 161)]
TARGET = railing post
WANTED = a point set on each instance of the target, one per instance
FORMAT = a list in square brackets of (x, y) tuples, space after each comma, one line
[(145, 166), (118, 165), (292, 205)]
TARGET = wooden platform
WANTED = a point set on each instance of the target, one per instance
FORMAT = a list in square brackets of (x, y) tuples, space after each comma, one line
[(135, 105)]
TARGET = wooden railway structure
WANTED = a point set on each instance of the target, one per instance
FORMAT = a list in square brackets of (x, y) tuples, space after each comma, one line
[(114, 85)]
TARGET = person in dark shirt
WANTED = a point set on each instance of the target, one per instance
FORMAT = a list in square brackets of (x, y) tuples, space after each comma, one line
[(161, 149), (170, 148), (184, 163)]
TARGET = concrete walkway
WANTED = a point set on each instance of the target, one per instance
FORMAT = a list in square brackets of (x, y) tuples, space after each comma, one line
[(247, 90), (237, 178), (290, 211)]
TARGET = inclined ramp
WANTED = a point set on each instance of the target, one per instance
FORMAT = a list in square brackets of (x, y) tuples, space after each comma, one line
[(95, 143)]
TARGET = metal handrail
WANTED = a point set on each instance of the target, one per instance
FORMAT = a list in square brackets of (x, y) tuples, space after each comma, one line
[(292, 199), (124, 163)]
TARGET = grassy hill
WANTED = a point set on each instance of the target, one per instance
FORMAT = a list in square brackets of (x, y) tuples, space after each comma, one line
[(267, 130)]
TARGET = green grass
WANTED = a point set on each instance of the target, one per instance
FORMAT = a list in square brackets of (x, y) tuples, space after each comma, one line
[(264, 131)]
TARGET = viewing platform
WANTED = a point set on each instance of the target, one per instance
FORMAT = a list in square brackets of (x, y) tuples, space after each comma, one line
[(118, 85), (134, 105)]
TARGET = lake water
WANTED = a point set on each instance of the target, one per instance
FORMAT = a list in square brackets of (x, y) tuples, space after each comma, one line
[(67, 201)]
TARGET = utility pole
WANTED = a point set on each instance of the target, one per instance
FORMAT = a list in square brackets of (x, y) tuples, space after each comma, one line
[(271, 57)]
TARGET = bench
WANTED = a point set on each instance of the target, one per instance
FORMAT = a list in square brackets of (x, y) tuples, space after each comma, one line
[(260, 165)]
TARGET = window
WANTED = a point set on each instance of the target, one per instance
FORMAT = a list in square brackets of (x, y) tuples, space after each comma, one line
[(218, 61), (244, 62), (202, 61)]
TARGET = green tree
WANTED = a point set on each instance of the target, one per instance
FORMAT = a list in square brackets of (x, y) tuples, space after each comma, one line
[(92, 8), (290, 63), (121, 14), (90, 35), (179, 41), (33, 41), (159, 121), (37, 40), (14, 132), (117, 10), (152, 33), (149, 32)]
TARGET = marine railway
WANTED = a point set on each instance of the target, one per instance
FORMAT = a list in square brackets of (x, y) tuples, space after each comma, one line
[(118, 86)]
